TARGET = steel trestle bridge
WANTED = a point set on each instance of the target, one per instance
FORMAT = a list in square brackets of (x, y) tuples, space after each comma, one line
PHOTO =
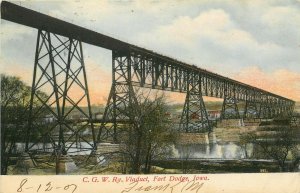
[(59, 66)]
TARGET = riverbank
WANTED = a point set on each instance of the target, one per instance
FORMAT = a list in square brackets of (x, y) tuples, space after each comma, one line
[(218, 166)]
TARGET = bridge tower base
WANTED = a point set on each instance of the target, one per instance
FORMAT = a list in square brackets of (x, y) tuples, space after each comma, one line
[(24, 163), (65, 165)]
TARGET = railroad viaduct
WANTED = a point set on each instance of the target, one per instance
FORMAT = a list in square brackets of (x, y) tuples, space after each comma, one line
[(59, 67)]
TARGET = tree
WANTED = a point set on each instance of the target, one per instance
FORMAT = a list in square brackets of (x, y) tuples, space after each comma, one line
[(150, 135), (14, 95), (244, 143), (15, 101), (276, 144), (186, 154), (13, 91)]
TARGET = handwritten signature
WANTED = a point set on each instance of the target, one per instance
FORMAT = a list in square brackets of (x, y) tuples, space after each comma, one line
[(182, 186), (47, 187)]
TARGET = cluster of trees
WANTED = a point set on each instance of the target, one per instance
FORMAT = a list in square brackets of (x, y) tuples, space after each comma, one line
[(15, 98), (150, 134), (277, 143), (15, 101)]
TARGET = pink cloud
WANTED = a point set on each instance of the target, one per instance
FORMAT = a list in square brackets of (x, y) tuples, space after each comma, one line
[(99, 82), (282, 81)]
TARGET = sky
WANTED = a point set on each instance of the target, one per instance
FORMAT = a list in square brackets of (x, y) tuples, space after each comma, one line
[(255, 42)]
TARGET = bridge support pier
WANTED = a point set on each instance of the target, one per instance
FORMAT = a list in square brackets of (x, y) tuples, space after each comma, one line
[(24, 163), (289, 108), (121, 95), (295, 120), (65, 165), (59, 89), (265, 108), (251, 110), (194, 118), (230, 108)]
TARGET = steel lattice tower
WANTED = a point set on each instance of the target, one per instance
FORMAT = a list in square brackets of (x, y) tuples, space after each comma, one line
[(194, 117), (230, 108), (59, 88), (121, 95)]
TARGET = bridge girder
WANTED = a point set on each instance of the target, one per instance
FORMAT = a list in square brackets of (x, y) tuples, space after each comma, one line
[(151, 71)]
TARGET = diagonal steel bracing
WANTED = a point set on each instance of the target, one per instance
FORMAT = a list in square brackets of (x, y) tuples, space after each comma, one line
[(194, 117), (230, 105), (121, 95), (265, 110), (295, 120), (251, 110), (59, 90)]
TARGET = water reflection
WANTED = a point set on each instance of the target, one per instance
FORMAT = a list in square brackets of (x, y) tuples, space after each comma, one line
[(80, 148), (213, 150)]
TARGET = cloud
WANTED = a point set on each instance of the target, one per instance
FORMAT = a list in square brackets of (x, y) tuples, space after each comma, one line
[(185, 30), (220, 42), (280, 16), (11, 31)]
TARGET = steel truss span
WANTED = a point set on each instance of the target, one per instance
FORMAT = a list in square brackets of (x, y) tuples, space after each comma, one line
[(134, 66)]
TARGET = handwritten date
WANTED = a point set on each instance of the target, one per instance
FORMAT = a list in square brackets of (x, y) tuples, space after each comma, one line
[(47, 187)]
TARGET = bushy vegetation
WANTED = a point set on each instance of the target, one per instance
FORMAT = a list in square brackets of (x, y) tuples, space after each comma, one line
[(15, 101), (149, 136)]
